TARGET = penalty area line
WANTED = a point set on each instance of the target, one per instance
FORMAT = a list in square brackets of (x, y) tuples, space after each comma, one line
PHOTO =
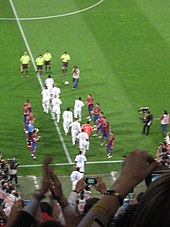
[(39, 79)]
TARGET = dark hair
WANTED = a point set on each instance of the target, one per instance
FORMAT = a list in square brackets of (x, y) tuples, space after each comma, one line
[(50, 224), (152, 210), (165, 112), (78, 168), (45, 207), (89, 203), (124, 219)]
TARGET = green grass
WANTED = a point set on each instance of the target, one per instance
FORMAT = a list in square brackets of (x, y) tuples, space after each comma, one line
[(122, 49)]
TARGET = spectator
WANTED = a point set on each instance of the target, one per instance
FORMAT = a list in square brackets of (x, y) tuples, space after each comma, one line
[(164, 121), (13, 171), (153, 207), (76, 76), (147, 123), (138, 165)]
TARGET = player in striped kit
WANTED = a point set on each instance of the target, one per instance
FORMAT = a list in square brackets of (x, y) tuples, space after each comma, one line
[(110, 144)]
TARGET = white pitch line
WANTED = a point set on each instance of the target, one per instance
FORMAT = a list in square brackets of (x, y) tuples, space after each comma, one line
[(39, 79), (54, 16), (66, 164), (35, 182), (113, 175)]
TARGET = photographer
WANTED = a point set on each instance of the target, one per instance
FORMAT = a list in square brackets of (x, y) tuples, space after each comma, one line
[(147, 123), (13, 171)]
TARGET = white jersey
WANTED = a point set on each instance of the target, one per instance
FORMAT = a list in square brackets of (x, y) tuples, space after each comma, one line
[(165, 119), (49, 82), (56, 102), (75, 177), (67, 116), (78, 105), (76, 73), (55, 92), (83, 137), (45, 95), (80, 161), (75, 126)]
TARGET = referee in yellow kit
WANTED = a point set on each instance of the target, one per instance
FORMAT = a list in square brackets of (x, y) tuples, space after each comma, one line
[(47, 61), (65, 58), (24, 64), (39, 63)]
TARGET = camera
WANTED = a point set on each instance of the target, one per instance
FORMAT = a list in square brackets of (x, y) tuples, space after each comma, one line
[(143, 109), (13, 163), (25, 202), (155, 175), (91, 180)]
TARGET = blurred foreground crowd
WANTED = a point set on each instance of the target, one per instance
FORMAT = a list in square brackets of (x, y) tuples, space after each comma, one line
[(50, 207)]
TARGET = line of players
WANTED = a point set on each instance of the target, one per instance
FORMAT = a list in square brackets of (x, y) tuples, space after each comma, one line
[(51, 97), (29, 128)]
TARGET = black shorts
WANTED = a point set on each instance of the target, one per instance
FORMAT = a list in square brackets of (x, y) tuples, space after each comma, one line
[(47, 62), (65, 64), (24, 66), (39, 67)]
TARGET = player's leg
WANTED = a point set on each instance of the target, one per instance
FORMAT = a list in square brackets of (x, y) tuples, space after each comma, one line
[(73, 139), (63, 70), (102, 139), (79, 115), (53, 115), (58, 117), (49, 67), (65, 128), (88, 145), (22, 71), (37, 70)]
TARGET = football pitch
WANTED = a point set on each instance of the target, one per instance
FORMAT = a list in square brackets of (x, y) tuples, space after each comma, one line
[(122, 49)]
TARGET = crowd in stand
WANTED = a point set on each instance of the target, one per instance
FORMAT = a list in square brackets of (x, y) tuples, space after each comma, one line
[(8, 189), (163, 150), (149, 209)]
